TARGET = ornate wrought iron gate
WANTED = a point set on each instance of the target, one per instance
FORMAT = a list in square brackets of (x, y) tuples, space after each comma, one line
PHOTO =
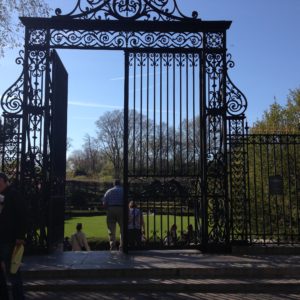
[(58, 146), (181, 114)]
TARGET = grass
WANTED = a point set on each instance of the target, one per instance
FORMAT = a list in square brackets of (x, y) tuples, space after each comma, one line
[(95, 227)]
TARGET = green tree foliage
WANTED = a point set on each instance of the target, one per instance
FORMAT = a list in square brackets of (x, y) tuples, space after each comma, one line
[(10, 25), (273, 150), (281, 119)]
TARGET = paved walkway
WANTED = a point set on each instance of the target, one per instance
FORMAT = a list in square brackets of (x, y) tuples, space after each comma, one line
[(168, 263), (160, 296), (187, 259)]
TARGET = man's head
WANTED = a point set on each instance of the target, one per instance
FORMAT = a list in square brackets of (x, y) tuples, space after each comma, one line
[(3, 181), (117, 182)]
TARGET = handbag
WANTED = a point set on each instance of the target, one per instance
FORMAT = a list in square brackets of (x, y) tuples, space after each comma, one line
[(16, 259)]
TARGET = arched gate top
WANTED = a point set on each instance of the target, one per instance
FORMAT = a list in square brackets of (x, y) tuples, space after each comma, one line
[(149, 10)]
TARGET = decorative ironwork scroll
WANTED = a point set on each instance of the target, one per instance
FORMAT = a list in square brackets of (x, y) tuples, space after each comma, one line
[(124, 40), (217, 210), (149, 10), (215, 40), (12, 98), (237, 179), (11, 145), (235, 100), (236, 105)]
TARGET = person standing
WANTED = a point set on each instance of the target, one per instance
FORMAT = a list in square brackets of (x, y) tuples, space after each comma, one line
[(12, 234), (79, 241), (113, 203), (135, 225)]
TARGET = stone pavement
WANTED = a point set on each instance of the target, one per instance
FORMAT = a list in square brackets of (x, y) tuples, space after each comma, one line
[(171, 260), (160, 296), (180, 274)]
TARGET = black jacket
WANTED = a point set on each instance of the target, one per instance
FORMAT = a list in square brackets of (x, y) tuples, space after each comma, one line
[(12, 217)]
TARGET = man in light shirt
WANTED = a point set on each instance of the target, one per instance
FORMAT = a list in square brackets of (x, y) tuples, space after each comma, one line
[(113, 202)]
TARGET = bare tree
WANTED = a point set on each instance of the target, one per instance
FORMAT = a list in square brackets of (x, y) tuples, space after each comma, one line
[(10, 25), (92, 154), (110, 133)]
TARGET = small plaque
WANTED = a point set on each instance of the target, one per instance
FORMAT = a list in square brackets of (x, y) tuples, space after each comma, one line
[(276, 185)]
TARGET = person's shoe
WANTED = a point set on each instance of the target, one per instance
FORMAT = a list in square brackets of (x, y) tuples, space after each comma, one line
[(113, 247)]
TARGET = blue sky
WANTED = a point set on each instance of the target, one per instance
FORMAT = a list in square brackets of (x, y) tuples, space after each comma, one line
[(263, 40)]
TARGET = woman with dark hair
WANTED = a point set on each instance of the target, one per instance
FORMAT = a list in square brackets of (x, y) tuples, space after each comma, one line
[(135, 225), (79, 241)]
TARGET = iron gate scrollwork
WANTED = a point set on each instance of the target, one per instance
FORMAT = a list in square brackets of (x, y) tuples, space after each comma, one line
[(182, 114)]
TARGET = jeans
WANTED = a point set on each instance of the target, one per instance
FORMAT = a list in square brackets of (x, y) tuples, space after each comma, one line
[(6, 250)]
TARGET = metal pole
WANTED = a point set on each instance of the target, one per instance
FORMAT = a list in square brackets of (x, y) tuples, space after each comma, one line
[(125, 175)]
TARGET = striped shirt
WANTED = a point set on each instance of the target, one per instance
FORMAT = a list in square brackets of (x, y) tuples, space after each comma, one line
[(114, 197)]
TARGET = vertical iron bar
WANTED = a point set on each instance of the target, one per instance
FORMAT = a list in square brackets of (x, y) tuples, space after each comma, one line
[(248, 183), (174, 114), (204, 128), (289, 187), (297, 188), (25, 111), (167, 137), (141, 117), (262, 188), (161, 141), (224, 117), (231, 180), (160, 115), (276, 197), (247, 223), (180, 114), (269, 195), (161, 213), (283, 195), (4, 146), (167, 113), (154, 114), (194, 117), (134, 106), (253, 144), (125, 175), (187, 113), (147, 114)]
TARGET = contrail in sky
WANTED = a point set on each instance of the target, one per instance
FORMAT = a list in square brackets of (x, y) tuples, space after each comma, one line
[(94, 105)]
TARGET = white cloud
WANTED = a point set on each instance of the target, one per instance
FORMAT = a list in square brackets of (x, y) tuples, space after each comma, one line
[(94, 105)]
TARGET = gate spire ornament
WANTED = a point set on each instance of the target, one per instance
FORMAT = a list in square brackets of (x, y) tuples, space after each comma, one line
[(147, 10)]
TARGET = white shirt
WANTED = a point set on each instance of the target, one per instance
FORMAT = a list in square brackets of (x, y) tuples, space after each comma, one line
[(78, 240)]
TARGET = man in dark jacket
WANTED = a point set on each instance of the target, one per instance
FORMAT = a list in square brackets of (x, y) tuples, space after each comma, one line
[(12, 233)]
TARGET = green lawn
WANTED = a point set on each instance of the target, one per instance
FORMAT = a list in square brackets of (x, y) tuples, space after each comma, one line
[(95, 227)]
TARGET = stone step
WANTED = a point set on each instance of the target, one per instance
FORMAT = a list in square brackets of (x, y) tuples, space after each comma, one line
[(262, 272), (157, 296), (291, 285)]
